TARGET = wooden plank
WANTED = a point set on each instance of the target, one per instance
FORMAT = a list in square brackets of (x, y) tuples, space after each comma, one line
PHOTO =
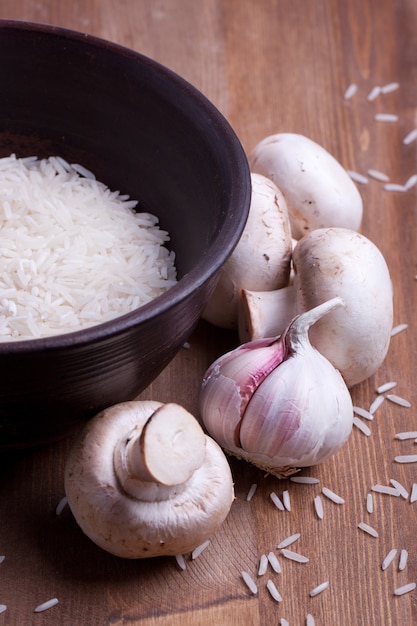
[(270, 66)]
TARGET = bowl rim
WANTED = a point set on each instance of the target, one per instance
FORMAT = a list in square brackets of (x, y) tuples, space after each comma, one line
[(219, 250)]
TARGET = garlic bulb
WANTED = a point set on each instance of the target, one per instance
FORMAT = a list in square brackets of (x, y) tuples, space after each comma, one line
[(277, 402)]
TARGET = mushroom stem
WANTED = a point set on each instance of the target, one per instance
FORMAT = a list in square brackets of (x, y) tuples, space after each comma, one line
[(331, 262), (161, 455), (265, 313)]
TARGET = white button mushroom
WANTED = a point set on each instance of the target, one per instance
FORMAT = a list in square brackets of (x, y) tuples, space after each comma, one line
[(261, 259), (144, 480), (318, 190), (331, 262)]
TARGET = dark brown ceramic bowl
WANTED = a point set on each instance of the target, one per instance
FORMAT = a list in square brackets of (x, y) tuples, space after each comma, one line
[(143, 130)]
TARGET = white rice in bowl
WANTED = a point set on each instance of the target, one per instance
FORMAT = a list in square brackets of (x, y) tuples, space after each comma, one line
[(73, 253)]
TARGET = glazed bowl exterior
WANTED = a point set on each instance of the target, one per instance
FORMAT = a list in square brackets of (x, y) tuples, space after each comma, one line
[(145, 131)]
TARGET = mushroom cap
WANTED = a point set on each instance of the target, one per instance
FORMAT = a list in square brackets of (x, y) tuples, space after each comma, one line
[(126, 526), (318, 190), (333, 262), (262, 258)]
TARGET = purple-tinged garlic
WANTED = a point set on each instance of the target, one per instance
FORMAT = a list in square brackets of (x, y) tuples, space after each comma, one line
[(277, 402)]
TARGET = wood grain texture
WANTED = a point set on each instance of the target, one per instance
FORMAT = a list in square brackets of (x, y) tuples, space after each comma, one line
[(269, 66)]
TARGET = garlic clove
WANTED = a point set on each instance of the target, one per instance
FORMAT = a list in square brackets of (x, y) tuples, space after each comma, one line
[(282, 421), (230, 382)]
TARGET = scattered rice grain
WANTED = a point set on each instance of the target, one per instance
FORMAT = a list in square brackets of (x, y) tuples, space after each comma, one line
[(334, 497), (357, 177), (406, 458), (310, 620), (361, 426), (407, 434), (199, 549), (410, 137), (181, 561), (251, 492), (3, 607), (263, 564), (386, 386), (389, 491), (250, 583), (350, 91), (398, 400), (304, 480), (286, 500), (374, 93), (389, 87), (275, 499), (368, 529), (394, 187), (319, 589), (46, 605), (288, 541), (400, 488), (61, 505), (369, 503), (274, 563), (318, 505), (284, 622), (378, 175), (409, 184), (386, 117), (363, 413), (294, 556), (413, 496), (400, 327), (376, 404), (273, 591), (389, 559), (400, 591), (2, 557), (403, 560)]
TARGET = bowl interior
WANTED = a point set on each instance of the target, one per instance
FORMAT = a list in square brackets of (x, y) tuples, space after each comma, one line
[(144, 131), (139, 127)]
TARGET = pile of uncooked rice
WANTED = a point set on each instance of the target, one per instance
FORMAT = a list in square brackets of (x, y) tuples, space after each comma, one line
[(73, 253)]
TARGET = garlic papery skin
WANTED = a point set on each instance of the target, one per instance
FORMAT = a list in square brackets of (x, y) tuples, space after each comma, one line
[(288, 410)]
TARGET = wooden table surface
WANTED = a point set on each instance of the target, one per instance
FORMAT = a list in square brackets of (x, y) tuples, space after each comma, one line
[(269, 66)]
